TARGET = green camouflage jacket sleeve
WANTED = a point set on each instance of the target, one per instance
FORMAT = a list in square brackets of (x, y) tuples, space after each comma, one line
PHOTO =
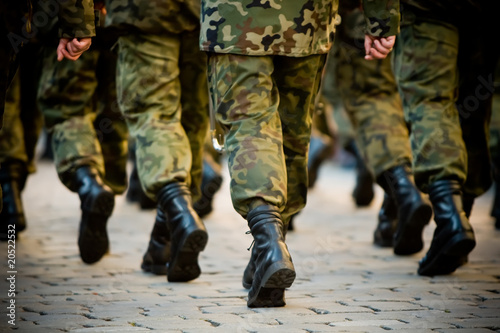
[(153, 16), (382, 17), (268, 27), (76, 18)]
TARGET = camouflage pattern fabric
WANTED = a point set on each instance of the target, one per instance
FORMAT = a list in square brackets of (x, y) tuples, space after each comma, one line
[(297, 28), (266, 105), (76, 17), (86, 125), (436, 137), (153, 16), (370, 96), (162, 92), (292, 28), (23, 120)]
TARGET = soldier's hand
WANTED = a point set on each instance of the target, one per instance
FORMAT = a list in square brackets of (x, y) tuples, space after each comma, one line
[(378, 47), (72, 48)]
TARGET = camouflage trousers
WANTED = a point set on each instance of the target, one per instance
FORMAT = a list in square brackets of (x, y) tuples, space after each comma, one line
[(163, 94), (425, 67), (371, 99), (23, 119), (266, 104), (78, 100)]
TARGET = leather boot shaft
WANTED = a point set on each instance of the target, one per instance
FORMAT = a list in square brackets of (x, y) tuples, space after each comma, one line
[(158, 253), (274, 270), (414, 211), (453, 237), (187, 231)]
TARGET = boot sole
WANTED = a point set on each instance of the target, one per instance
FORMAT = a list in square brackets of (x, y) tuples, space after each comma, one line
[(271, 290), (184, 266), (93, 239), (452, 255), (409, 238)]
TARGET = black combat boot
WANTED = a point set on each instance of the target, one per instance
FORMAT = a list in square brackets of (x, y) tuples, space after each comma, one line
[(274, 270), (453, 238), (210, 184), (319, 151), (363, 192), (187, 232), (495, 209), (250, 269), (12, 180), (97, 203), (387, 223), (414, 211), (158, 253)]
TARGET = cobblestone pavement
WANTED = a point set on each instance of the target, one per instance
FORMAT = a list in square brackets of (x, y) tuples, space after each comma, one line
[(344, 283)]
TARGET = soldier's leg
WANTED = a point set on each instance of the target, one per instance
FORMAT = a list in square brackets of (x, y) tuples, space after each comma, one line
[(14, 162), (428, 92), (65, 98), (194, 100), (246, 98), (371, 99), (298, 82), (477, 61), (205, 173), (109, 123), (149, 95)]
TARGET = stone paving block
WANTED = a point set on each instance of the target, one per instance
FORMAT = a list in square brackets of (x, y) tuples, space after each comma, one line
[(491, 323), (111, 329), (465, 330)]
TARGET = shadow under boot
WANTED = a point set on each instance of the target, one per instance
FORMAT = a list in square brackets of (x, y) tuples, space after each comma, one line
[(97, 203), (12, 179), (414, 211), (187, 232), (274, 270), (387, 223), (210, 184), (158, 253), (453, 237), (363, 192)]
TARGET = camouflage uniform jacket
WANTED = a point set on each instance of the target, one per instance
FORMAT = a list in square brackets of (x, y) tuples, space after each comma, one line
[(76, 18), (294, 28), (153, 16)]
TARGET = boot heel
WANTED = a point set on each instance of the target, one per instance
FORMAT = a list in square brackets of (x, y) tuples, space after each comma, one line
[(267, 298), (271, 290), (184, 266), (409, 239), (460, 245)]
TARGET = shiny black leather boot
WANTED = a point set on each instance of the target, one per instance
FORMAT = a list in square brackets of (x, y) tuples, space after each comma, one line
[(12, 180), (387, 223), (210, 184), (187, 232), (97, 203), (453, 237), (274, 270), (414, 211), (158, 253)]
